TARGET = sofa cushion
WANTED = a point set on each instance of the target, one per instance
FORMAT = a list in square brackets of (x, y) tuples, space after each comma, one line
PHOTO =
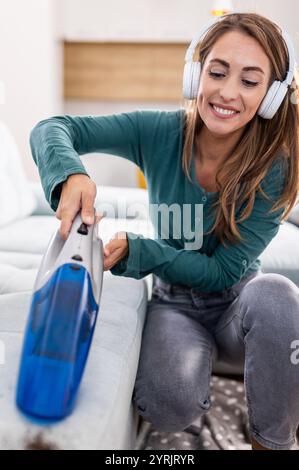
[(28, 235), (114, 201), (294, 215), (13, 279), (32, 234), (282, 255), (16, 197), (103, 417)]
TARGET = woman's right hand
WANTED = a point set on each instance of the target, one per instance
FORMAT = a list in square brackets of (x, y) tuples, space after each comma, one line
[(78, 192)]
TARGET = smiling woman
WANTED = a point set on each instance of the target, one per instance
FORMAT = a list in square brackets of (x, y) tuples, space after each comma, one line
[(234, 145), (238, 137), (229, 95)]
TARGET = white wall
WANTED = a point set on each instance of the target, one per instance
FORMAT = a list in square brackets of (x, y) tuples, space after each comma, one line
[(31, 57), (147, 20), (144, 20), (160, 20), (285, 13), (30, 68)]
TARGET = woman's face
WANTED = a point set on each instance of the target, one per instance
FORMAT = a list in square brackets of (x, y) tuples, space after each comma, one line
[(232, 83)]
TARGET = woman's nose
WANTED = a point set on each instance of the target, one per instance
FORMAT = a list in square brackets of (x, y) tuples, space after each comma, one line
[(229, 90)]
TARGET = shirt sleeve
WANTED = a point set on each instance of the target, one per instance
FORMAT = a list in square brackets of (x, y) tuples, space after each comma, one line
[(226, 266), (57, 143)]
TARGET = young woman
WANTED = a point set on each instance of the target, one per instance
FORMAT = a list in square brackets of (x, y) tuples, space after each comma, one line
[(237, 158)]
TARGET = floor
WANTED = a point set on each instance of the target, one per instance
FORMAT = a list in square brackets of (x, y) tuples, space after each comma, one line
[(224, 427)]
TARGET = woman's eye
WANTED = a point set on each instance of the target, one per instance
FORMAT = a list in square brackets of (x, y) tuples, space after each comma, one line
[(246, 82), (215, 74)]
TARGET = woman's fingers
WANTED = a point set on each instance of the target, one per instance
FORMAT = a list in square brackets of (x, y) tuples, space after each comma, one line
[(78, 193), (115, 250), (87, 212), (112, 258), (67, 218)]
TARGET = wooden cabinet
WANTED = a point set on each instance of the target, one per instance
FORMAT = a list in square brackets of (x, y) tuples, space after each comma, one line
[(124, 71)]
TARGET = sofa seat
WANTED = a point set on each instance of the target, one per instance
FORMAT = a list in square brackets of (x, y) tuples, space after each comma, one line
[(282, 254), (104, 417)]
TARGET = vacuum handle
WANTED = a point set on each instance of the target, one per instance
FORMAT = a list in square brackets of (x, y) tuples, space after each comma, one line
[(76, 248)]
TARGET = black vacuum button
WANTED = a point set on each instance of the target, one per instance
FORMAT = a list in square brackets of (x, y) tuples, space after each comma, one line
[(83, 229), (77, 257)]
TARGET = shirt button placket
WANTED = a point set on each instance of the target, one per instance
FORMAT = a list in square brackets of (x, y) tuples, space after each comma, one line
[(244, 263)]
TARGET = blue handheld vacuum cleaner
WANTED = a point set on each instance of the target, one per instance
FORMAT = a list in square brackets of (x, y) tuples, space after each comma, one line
[(62, 318)]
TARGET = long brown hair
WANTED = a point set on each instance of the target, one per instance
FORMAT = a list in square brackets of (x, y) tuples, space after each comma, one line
[(262, 139)]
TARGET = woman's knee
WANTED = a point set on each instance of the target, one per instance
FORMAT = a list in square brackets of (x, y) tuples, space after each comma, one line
[(270, 299), (170, 410)]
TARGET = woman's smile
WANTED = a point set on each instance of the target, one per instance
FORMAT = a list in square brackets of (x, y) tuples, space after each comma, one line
[(221, 113)]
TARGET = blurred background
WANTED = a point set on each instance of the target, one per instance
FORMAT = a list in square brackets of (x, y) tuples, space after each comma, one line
[(101, 57)]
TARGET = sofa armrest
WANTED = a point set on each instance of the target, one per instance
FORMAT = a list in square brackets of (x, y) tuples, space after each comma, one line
[(294, 216), (42, 206), (114, 201), (122, 202)]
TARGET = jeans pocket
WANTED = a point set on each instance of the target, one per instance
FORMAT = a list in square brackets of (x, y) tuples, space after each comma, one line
[(158, 293)]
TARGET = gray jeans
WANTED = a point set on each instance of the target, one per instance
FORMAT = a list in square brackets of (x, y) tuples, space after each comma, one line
[(251, 324)]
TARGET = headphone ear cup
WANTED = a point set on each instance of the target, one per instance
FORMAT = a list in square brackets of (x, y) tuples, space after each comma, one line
[(272, 100), (191, 80)]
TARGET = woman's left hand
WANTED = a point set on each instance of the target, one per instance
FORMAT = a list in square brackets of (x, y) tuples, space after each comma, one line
[(115, 250)]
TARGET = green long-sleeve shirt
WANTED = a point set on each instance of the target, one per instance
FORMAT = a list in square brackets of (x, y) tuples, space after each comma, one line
[(153, 140)]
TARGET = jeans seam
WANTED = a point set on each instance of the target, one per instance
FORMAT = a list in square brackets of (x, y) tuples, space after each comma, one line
[(225, 325), (248, 399), (271, 443), (241, 339), (201, 404)]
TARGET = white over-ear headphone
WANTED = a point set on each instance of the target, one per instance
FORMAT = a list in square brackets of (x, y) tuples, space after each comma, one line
[(275, 94)]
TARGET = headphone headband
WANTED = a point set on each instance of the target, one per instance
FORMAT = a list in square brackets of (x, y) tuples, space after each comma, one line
[(195, 41)]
